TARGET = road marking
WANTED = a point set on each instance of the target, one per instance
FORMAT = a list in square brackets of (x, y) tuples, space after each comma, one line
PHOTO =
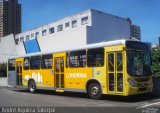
[(157, 103)]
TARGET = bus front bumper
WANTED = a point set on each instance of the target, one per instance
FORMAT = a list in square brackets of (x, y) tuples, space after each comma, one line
[(138, 90)]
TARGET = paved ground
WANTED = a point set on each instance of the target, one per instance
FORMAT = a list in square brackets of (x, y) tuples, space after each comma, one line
[(11, 97)]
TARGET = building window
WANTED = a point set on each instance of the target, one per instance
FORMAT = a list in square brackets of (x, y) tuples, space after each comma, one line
[(44, 32), (47, 61), (21, 39), (17, 40), (59, 28), (95, 57), (67, 24), (77, 59), (84, 20), (37, 35), (35, 62), (27, 37), (32, 35), (51, 30), (74, 23)]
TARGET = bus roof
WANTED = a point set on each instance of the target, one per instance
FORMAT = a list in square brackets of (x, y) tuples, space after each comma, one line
[(89, 46)]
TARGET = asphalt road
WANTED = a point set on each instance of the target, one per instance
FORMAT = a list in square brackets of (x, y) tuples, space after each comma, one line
[(76, 102)]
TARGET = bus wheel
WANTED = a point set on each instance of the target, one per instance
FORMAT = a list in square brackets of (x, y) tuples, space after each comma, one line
[(94, 91), (32, 86)]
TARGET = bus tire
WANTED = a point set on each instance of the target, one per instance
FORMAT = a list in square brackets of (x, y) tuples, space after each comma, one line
[(32, 86), (94, 91)]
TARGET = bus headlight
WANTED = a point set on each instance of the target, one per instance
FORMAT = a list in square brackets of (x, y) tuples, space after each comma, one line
[(132, 82)]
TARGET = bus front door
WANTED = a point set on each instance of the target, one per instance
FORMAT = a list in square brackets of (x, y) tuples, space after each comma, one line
[(19, 72), (59, 72), (115, 75)]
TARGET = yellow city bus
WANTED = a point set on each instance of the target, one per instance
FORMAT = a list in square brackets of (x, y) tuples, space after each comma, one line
[(120, 67)]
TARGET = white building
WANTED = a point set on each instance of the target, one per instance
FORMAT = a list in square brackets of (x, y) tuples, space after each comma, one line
[(83, 28), (7, 48)]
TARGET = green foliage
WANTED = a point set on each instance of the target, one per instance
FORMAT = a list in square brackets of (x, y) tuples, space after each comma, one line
[(3, 70), (156, 62)]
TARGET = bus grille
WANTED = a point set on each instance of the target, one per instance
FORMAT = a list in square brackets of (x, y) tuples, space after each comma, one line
[(142, 89), (142, 79)]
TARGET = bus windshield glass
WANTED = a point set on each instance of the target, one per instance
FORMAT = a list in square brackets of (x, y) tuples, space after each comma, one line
[(138, 63)]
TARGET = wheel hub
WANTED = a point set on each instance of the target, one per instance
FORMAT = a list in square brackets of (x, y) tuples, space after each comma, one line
[(95, 90), (32, 87)]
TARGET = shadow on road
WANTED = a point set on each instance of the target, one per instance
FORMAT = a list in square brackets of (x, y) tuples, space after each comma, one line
[(129, 99)]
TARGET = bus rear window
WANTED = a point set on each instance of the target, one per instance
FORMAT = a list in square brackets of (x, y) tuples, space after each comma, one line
[(11, 65)]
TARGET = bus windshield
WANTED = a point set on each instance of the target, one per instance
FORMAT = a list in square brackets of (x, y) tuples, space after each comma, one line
[(138, 63)]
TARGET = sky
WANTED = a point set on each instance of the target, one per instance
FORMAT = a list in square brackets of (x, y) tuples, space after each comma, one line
[(144, 13)]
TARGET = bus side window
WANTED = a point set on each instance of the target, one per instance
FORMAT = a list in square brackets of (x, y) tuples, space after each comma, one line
[(11, 65), (77, 59), (26, 63), (95, 57), (35, 62), (47, 61)]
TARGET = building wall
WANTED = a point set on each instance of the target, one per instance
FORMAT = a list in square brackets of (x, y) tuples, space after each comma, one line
[(20, 49), (7, 48), (67, 39), (3, 82), (106, 27), (55, 24), (1, 19)]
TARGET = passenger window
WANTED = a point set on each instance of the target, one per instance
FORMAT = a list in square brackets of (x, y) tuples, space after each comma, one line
[(47, 61), (96, 57), (78, 59), (35, 62), (26, 63)]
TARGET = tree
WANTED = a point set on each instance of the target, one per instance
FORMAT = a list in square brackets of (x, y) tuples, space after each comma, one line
[(155, 62)]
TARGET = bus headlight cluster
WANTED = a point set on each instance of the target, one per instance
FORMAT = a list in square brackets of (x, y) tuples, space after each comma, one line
[(132, 82)]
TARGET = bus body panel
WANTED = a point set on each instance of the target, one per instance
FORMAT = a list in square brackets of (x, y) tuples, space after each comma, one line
[(76, 78), (101, 76), (12, 78)]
